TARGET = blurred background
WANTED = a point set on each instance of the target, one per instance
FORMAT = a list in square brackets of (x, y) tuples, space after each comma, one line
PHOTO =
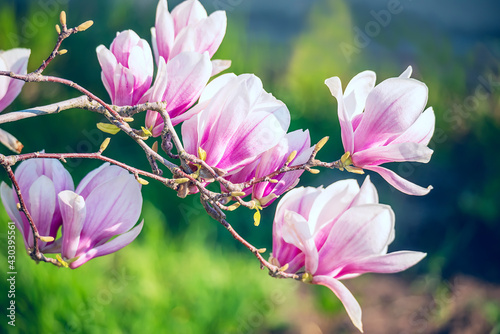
[(185, 273)]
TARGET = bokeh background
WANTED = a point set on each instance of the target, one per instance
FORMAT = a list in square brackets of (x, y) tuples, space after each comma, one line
[(184, 273)]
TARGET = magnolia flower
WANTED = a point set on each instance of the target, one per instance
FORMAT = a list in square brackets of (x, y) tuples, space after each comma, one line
[(40, 180), (106, 203), (14, 60), (237, 123), (188, 28), (127, 68), (337, 233), (265, 193), (391, 128), (179, 83)]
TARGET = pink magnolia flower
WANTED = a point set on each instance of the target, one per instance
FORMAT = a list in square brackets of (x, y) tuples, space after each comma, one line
[(14, 60), (107, 203), (40, 180), (188, 28), (127, 68), (237, 123), (337, 233), (180, 83), (392, 127), (265, 193)]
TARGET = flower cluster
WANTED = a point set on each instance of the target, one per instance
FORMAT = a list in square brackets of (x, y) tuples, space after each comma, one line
[(106, 203), (231, 124)]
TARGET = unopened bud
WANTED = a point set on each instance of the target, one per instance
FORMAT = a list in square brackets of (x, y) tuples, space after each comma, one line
[(256, 218), (85, 25), (345, 157), (202, 154), (18, 206), (128, 119), (291, 157), (142, 181), (261, 250), (237, 193), (46, 239), (233, 206), (58, 29), (313, 171), (320, 144), (61, 52), (355, 170), (62, 18), (284, 268), (61, 261), (155, 147), (273, 181), (108, 128), (181, 180), (104, 144), (146, 132)]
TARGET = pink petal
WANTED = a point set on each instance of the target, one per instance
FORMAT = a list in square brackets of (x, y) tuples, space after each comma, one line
[(164, 33), (367, 194), (399, 183), (187, 13), (421, 131), (296, 231), (357, 91), (331, 203), (361, 231), (73, 213), (42, 197), (98, 176), (109, 247), (113, 207), (386, 263), (123, 44), (10, 204), (206, 35), (15, 60), (392, 153), (350, 304), (124, 82), (344, 118), (391, 108), (108, 64), (188, 74)]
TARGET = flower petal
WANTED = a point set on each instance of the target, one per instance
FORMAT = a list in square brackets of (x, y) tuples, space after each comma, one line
[(357, 91), (386, 263), (113, 207), (42, 197), (360, 232), (392, 153), (344, 118), (73, 213), (98, 176), (367, 194), (187, 13), (10, 204), (163, 33), (350, 303), (296, 232), (206, 35), (109, 247), (421, 131), (400, 183), (391, 108), (15, 60)]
